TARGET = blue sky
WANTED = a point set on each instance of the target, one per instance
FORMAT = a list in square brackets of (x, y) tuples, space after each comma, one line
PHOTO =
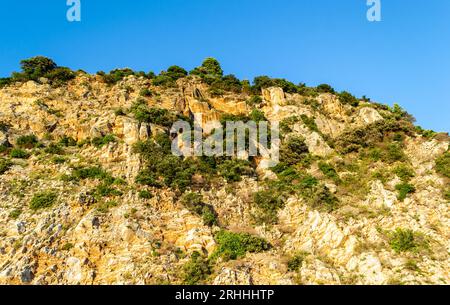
[(404, 59)]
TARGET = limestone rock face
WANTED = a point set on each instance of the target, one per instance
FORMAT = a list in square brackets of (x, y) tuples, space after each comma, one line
[(368, 116), (318, 233), (424, 153), (229, 276), (274, 96), (101, 128), (315, 142), (142, 234), (380, 197)]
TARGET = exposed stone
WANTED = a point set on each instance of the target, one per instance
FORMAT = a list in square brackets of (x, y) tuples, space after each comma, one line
[(27, 275), (126, 239), (368, 116)]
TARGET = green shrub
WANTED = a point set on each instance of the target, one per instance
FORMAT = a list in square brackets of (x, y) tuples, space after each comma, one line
[(227, 83), (5, 165), (196, 270), (176, 72), (119, 112), (209, 216), (157, 116), (163, 81), (290, 182), (325, 88), (295, 263), (329, 171), (411, 265), (398, 137), (257, 116), (402, 240), (209, 71), (429, 134), (67, 246), (375, 134), (38, 67), (347, 98), (146, 92), (394, 153), (43, 200), (313, 103), (447, 194), (216, 92), (168, 78), (102, 141), (443, 165), (105, 190), (404, 172), (294, 150), (323, 199), (399, 114), (262, 82), (60, 76), (233, 170), (194, 203), (269, 203), (374, 154), (83, 173), (231, 83), (220, 84), (15, 214), (4, 148), (144, 194), (116, 75), (5, 81), (285, 125), (59, 160), (161, 168), (310, 123), (19, 154), (54, 149), (254, 100), (67, 141), (307, 91), (231, 246), (28, 141), (403, 190)]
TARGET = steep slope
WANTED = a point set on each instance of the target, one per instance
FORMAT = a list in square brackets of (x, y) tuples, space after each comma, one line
[(87, 197)]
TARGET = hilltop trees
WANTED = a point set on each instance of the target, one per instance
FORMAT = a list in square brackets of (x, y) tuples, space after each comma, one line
[(211, 73), (262, 82), (39, 67), (209, 70), (168, 78)]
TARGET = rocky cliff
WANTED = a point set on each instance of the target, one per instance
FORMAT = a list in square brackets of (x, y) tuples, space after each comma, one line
[(366, 201)]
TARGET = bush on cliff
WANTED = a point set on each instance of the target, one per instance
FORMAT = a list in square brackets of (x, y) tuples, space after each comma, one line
[(196, 270), (4, 165), (43, 200), (39, 67), (194, 203), (231, 246), (443, 165)]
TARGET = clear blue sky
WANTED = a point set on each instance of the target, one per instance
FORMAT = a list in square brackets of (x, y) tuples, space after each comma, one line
[(404, 59)]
